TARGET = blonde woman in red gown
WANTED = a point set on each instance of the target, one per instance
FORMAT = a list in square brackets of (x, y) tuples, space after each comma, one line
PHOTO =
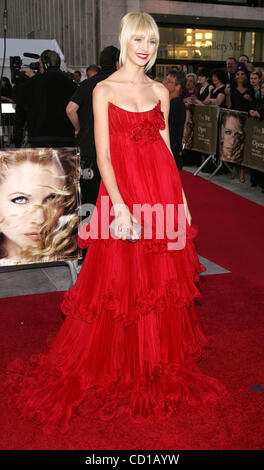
[(131, 339)]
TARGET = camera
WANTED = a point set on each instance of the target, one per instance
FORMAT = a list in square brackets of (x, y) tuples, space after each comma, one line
[(18, 76)]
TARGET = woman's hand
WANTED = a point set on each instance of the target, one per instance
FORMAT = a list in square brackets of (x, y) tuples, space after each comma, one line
[(254, 113), (191, 100), (124, 222), (248, 97)]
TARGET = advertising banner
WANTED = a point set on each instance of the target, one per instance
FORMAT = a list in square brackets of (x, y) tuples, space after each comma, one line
[(232, 135), (200, 131), (39, 204), (188, 131), (254, 146)]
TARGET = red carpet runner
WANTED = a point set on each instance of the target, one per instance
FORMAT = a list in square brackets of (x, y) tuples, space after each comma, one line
[(231, 310)]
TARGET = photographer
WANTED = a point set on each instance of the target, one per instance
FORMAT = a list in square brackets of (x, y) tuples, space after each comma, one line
[(41, 103)]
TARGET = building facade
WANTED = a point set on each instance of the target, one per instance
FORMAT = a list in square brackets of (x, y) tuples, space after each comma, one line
[(191, 32)]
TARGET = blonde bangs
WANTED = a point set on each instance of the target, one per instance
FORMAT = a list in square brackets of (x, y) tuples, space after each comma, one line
[(137, 23)]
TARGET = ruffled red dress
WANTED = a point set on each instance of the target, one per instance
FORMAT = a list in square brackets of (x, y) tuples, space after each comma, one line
[(131, 338)]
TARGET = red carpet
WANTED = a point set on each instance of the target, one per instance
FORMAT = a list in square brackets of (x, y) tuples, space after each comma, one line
[(231, 309), (230, 227)]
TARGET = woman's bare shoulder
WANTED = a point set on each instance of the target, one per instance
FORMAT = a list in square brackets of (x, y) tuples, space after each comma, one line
[(160, 90), (105, 88), (101, 88)]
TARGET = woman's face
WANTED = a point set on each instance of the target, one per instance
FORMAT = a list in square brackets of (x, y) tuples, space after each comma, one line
[(169, 83), (254, 79), (215, 80), (140, 49), (243, 59), (231, 135), (202, 79), (190, 85), (24, 194), (240, 76)]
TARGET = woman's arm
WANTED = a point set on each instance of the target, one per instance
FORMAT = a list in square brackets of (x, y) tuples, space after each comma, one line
[(197, 101), (207, 99), (228, 97), (218, 100), (163, 95), (7, 99), (102, 144), (71, 111)]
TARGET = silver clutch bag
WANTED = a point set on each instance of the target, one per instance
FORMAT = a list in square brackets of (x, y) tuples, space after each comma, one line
[(137, 228)]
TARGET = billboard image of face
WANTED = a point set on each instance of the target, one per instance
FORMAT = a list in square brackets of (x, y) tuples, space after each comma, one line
[(188, 131), (232, 135), (39, 200)]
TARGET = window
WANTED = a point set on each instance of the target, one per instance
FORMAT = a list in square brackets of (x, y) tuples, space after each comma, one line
[(209, 44)]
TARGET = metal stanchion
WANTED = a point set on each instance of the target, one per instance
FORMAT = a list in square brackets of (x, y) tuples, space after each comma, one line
[(203, 164), (74, 269), (218, 168)]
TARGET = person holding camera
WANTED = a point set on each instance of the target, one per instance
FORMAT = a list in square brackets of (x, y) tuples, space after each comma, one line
[(41, 105)]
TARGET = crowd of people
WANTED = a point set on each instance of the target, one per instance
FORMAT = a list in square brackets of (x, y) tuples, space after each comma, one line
[(239, 86)]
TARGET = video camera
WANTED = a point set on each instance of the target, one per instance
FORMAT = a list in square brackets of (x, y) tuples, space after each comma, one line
[(17, 76)]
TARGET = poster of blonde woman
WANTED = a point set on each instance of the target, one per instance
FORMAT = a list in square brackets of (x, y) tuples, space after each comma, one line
[(232, 135), (39, 202)]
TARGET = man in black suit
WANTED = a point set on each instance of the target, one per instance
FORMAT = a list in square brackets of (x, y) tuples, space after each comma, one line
[(231, 65), (80, 113), (175, 83), (41, 103)]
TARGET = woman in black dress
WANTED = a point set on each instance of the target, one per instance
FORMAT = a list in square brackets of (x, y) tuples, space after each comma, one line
[(240, 96), (206, 88), (217, 95)]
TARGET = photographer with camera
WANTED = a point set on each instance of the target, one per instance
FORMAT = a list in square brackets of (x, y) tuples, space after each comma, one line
[(41, 104)]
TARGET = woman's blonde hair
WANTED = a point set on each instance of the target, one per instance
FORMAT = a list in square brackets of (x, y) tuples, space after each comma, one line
[(137, 23), (58, 241)]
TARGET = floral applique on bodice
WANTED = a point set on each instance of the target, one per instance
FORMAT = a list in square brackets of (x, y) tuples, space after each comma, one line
[(140, 127)]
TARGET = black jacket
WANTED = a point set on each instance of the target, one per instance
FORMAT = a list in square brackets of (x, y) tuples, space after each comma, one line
[(83, 96), (42, 102), (177, 118)]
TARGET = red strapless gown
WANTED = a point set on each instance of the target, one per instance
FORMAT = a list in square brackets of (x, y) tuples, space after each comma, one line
[(131, 338)]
